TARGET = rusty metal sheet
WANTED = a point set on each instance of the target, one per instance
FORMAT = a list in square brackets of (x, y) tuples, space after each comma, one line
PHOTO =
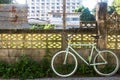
[(13, 16), (13, 8)]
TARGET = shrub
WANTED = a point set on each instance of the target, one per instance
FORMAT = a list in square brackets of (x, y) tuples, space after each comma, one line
[(26, 67)]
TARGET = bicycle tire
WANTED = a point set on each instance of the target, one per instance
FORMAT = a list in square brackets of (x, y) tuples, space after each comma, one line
[(61, 69), (112, 65)]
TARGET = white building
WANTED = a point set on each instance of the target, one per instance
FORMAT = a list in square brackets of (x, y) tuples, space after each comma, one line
[(72, 20), (40, 9)]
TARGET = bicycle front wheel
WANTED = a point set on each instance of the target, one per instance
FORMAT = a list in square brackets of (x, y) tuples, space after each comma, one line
[(62, 67), (109, 63)]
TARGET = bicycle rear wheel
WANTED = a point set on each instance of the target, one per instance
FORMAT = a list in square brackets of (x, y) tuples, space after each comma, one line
[(110, 67), (64, 69)]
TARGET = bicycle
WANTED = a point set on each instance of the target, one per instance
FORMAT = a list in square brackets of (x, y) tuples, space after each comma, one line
[(64, 63)]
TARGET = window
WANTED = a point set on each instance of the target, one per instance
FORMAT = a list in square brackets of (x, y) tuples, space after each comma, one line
[(42, 0), (58, 4), (38, 0), (68, 11), (58, 7), (53, 7), (52, 11), (53, 0), (75, 19), (53, 3), (78, 3), (32, 14), (73, 3), (73, 7), (38, 11), (37, 14), (68, 0), (58, 11), (32, 11), (37, 7), (56, 16), (42, 7), (68, 7), (67, 19), (33, 7), (42, 3), (37, 4), (47, 7), (42, 11), (68, 3), (32, 3), (42, 14), (42, 18), (48, 0), (46, 14), (47, 3)]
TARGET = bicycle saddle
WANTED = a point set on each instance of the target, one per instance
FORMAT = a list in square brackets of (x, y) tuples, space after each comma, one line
[(96, 36)]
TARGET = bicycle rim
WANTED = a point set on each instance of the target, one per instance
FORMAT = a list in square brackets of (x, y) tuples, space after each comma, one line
[(112, 65), (67, 69)]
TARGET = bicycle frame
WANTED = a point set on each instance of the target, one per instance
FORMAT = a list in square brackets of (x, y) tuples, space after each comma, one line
[(69, 47)]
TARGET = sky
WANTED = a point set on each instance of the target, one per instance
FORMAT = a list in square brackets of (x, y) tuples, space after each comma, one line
[(21, 1), (87, 3), (92, 3)]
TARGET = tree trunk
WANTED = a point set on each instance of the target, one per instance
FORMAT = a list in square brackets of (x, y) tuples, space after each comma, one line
[(101, 12)]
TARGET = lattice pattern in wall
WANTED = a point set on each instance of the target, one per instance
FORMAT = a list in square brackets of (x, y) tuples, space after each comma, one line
[(81, 39), (113, 42), (50, 40), (30, 40), (54, 40)]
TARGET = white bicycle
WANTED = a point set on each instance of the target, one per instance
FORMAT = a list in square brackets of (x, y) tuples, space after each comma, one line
[(64, 63)]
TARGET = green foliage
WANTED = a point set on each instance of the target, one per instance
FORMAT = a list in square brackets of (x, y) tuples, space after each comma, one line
[(84, 69), (3, 67), (86, 15), (46, 64), (93, 11), (5, 1), (79, 9), (116, 4), (27, 68), (110, 9), (49, 26), (118, 71), (42, 26), (37, 26)]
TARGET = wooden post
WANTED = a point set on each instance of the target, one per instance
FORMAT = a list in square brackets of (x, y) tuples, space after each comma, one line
[(64, 14), (64, 35), (101, 12)]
